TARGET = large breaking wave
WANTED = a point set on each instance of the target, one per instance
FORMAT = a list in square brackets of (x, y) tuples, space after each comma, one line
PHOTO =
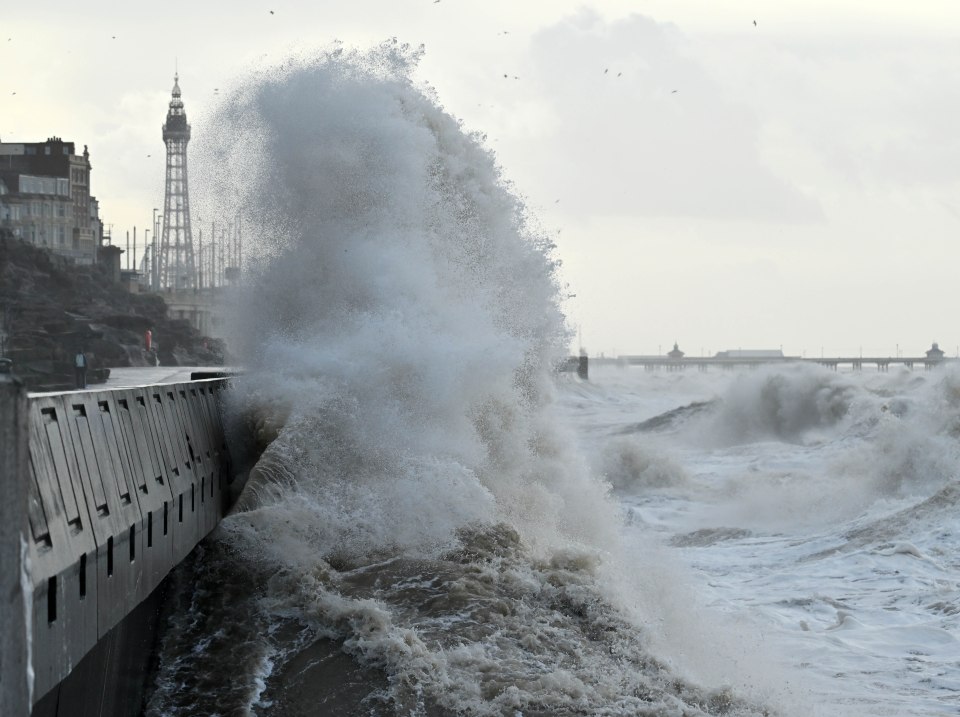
[(419, 509)]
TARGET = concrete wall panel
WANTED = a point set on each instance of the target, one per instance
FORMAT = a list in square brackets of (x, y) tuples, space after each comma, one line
[(114, 510), (192, 410), (155, 548), (185, 531), (122, 485), (63, 548)]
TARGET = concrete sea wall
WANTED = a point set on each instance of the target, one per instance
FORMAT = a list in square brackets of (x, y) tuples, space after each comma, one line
[(121, 485)]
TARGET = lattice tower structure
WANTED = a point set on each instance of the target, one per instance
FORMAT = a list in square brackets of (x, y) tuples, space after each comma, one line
[(176, 268)]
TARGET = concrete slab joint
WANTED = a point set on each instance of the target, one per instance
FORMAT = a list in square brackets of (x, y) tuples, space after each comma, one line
[(16, 683)]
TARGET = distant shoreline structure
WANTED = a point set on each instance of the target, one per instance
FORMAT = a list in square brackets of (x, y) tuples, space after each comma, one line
[(754, 358)]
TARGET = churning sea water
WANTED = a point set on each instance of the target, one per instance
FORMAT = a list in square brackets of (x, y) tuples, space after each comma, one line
[(443, 525), (811, 513)]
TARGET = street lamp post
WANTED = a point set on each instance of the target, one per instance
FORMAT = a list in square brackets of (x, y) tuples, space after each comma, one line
[(146, 244), (155, 279)]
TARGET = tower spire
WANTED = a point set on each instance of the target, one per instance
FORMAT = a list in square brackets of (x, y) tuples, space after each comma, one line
[(176, 267)]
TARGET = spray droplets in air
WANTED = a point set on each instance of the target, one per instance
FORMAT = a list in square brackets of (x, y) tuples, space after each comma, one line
[(402, 311)]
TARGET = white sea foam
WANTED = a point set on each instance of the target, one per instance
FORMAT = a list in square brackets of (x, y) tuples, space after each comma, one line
[(833, 542)]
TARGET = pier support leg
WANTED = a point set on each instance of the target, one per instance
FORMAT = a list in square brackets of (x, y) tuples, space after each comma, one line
[(15, 682), (583, 368)]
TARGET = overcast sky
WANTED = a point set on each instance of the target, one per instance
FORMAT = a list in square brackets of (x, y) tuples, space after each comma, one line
[(792, 183)]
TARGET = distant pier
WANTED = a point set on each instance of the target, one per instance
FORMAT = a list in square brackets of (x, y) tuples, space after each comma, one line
[(855, 363)]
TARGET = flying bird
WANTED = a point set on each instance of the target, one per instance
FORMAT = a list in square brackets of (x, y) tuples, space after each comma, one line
[(271, 12), (754, 23), (504, 75), (606, 70), (619, 73), (673, 92)]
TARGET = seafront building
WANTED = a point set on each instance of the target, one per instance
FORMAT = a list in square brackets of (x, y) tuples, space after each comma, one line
[(45, 198)]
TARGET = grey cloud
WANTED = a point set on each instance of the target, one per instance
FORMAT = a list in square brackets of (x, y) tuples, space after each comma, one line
[(659, 139), (875, 111)]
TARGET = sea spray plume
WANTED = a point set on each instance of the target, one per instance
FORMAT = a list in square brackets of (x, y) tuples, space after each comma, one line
[(420, 504), (405, 313), (781, 403), (632, 465)]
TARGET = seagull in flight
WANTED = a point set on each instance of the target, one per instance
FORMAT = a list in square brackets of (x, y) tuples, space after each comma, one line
[(754, 23)]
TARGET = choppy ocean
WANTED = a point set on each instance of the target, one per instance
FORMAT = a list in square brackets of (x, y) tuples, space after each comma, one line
[(443, 525)]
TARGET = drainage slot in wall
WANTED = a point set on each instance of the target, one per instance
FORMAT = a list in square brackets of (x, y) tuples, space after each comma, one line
[(150, 529), (83, 576), (110, 556), (181, 508), (52, 599), (133, 543)]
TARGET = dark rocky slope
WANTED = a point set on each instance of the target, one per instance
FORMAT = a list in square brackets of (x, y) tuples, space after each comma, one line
[(50, 307)]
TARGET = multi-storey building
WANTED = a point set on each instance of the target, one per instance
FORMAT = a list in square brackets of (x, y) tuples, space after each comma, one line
[(45, 197)]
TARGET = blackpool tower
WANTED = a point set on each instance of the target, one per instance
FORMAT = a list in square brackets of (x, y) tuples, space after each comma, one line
[(176, 269)]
